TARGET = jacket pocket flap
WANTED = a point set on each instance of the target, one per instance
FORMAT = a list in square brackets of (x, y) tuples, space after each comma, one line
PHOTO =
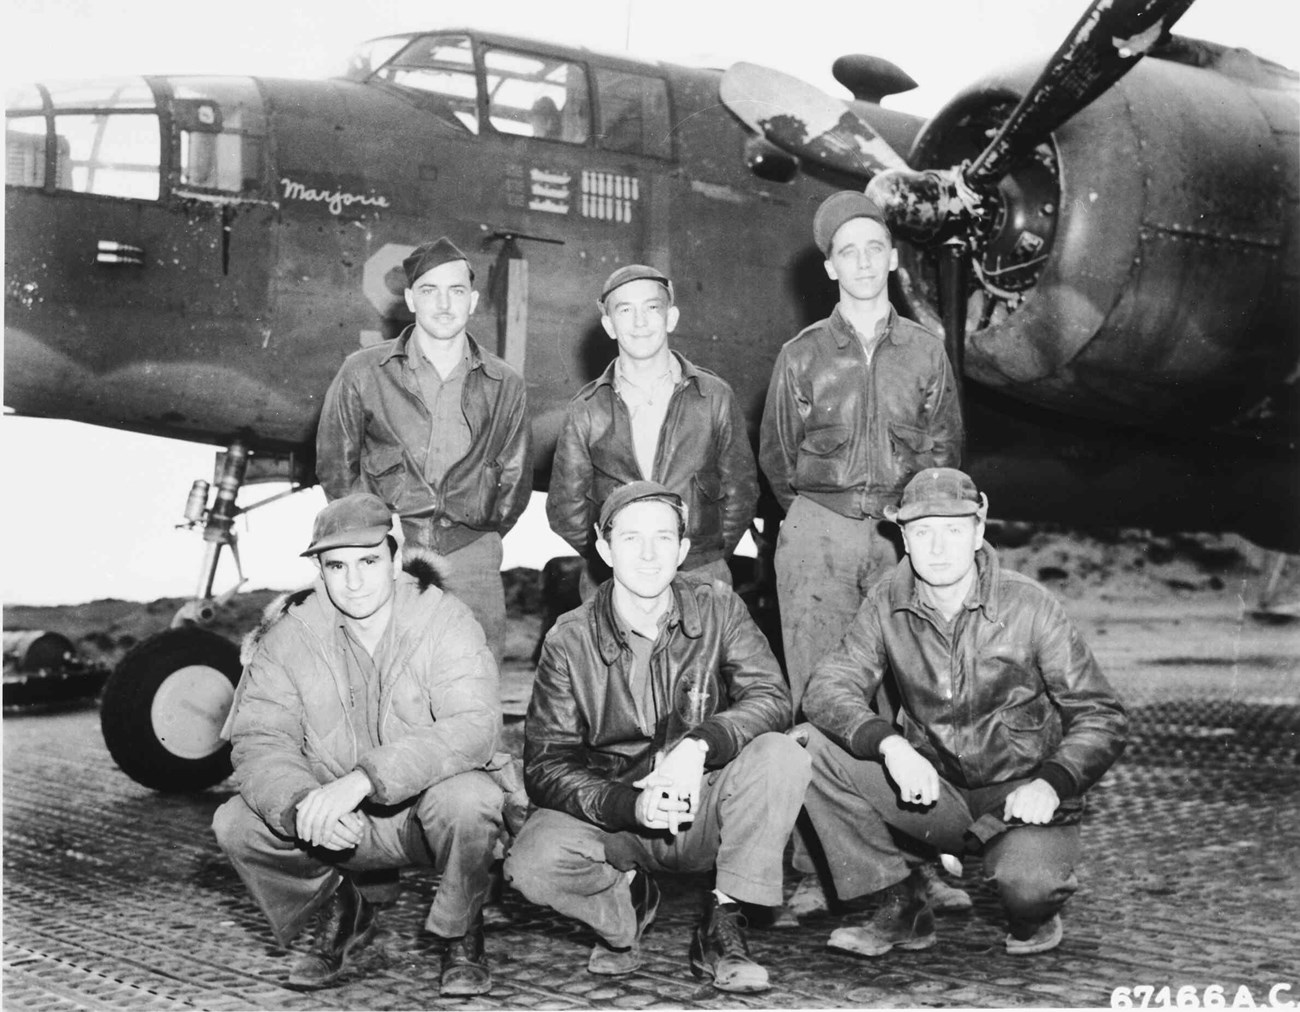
[(916, 440), (379, 460), (1030, 716), (825, 441), (710, 485)]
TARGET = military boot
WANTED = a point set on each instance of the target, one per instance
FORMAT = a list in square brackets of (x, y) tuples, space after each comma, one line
[(903, 920), (719, 950), (346, 926), (465, 964), (612, 962)]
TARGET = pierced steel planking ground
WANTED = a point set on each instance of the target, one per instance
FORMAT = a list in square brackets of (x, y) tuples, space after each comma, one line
[(117, 898)]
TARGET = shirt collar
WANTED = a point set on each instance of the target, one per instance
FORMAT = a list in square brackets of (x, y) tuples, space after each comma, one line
[(611, 634), (844, 332), (685, 372), (477, 358), (673, 375)]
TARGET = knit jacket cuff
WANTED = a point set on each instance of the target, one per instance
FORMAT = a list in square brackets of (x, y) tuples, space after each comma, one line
[(865, 742), (622, 807), (289, 817), (719, 742), (1059, 779)]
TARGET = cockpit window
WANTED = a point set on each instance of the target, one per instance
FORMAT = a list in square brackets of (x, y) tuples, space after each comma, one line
[(633, 113), (108, 95), (111, 154), (537, 96), (220, 134), (106, 138), (441, 69), (370, 56), (24, 98)]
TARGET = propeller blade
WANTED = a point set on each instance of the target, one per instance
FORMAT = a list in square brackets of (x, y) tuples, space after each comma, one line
[(805, 121), (1107, 42)]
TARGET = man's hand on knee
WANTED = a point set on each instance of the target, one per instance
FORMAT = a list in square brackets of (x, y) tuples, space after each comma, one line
[(320, 814), (681, 770), (658, 808), (917, 780), (1034, 803), (347, 832)]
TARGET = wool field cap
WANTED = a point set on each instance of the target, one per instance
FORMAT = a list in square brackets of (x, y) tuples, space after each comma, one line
[(638, 491), (938, 492), (358, 520), (430, 255), (633, 272), (838, 208)]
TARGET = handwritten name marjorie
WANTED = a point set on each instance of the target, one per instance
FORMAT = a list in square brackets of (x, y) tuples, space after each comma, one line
[(335, 200)]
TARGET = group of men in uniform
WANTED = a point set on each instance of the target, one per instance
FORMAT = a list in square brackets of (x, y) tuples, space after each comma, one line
[(937, 704)]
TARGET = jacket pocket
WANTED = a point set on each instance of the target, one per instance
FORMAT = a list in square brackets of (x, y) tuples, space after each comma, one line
[(385, 469), (489, 492), (912, 448), (821, 462), (602, 484), (1027, 733), (706, 504)]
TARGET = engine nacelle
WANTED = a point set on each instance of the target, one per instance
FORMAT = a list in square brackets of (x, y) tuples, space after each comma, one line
[(1113, 280)]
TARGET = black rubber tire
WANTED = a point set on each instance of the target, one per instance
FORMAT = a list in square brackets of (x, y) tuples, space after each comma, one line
[(125, 712)]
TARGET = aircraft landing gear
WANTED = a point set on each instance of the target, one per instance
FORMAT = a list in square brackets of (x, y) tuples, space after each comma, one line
[(166, 702), (164, 706)]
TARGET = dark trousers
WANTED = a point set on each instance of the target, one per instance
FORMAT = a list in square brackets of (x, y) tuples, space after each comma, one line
[(452, 827), (747, 810), (854, 806), (474, 575), (825, 564)]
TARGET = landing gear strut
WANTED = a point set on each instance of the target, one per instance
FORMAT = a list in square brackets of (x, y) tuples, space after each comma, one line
[(165, 704)]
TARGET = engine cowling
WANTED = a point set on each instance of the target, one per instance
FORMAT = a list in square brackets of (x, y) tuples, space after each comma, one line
[(1142, 268)]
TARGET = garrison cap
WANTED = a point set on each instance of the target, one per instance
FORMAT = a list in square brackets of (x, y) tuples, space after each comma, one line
[(938, 492), (838, 208), (429, 255), (633, 272), (358, 520), (637, 491)]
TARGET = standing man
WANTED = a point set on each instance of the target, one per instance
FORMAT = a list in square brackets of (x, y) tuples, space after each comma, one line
[(653, 415), (366, 714), (653, 743), (858, 403), (1005, 722), (436, 426)]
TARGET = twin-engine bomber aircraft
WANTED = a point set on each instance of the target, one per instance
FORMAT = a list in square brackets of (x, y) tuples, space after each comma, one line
[(1110, 244)]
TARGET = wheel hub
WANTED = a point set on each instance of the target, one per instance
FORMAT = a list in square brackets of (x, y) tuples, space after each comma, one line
[(189, 710)]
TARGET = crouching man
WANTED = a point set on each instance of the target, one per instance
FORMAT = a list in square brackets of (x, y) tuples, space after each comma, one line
[(367, 712), (653, 743), (1005, 722)]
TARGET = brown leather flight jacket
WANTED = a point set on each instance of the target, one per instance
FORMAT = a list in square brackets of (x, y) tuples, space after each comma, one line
[(1014, 693), (373, 413), (713, 675), (848, 433), (703, 455)]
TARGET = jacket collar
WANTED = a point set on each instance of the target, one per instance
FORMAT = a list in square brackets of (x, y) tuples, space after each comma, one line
[(843, 331), (690, 374), (477, 360), (609, 639), (319, 614), (904, 592)]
